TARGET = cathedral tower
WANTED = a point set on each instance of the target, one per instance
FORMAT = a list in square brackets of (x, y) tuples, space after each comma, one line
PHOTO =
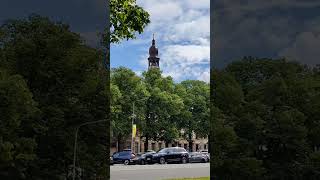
[(153, 55)]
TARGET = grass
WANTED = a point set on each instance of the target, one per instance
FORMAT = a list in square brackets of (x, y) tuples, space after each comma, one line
[(199, 178)]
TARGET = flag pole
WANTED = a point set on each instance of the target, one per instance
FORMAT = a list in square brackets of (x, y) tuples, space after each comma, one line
[(133, 116)]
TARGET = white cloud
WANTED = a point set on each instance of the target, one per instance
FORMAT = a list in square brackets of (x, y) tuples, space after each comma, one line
[(185, 61), (196, 31), (161, 10), (199, 4), (186, 54), (182, 30), (205, 76)]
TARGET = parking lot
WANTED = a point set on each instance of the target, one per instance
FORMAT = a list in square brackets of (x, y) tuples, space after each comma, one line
[(159, 171)]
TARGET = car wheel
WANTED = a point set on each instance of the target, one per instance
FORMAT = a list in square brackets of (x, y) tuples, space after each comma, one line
[(162, 160), (184, 160), (204, 160), (142, 162), (126, 162)]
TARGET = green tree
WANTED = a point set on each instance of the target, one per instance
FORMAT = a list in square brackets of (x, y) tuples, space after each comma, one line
[(126, 88), (20, 125), (268, 110), (126, 19), (194, 118), (68, 81), (162, 108)]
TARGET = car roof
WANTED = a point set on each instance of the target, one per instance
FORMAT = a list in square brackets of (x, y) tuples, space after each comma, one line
[(122, 152), (175, 148)]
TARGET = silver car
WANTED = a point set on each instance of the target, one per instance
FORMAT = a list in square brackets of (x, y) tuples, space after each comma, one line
[(198, 157)]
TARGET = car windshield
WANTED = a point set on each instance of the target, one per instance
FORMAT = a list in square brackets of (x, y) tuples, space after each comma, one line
[(163, 150), (123, 153)]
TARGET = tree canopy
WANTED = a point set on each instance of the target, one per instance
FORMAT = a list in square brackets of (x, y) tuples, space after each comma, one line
[(163, 107), (265, 121), (126, 19), (50, 83)]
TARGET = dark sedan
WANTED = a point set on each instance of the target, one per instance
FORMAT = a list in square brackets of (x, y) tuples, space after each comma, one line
[(172, 154), (198, 157), (123, 157), (145, 158)]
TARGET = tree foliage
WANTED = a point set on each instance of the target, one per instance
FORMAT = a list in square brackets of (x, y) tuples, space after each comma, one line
[(263, 120), (126, 19), (163, 107), (54, 82)]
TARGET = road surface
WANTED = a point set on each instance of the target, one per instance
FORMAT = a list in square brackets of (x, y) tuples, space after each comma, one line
[(158, 171)]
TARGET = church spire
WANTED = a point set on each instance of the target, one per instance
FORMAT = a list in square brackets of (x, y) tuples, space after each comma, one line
[(153, 41), (153, 54)]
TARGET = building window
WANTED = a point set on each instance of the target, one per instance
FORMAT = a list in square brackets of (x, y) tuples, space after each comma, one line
[(179, 145), (160, 145), (205, 146), (197, 147), (185, 146)]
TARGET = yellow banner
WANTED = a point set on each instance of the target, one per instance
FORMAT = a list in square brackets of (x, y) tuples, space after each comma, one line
[(134, 130)]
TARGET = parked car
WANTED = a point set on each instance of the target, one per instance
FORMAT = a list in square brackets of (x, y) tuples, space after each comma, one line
[(123, 157), (172, 154), (203, 151), (145, 158), (198, 157), (206, 153)]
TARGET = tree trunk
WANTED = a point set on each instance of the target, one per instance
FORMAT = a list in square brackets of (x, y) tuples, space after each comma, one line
[(120, 143), (148, 116), (190, 142), (209, 144), (146, 144)]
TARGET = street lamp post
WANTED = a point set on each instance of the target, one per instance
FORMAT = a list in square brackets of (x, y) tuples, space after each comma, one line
[(190, 132), (133, 117), (75, 144)]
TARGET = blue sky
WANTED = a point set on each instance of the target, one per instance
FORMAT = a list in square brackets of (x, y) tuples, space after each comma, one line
[(182, 34)]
